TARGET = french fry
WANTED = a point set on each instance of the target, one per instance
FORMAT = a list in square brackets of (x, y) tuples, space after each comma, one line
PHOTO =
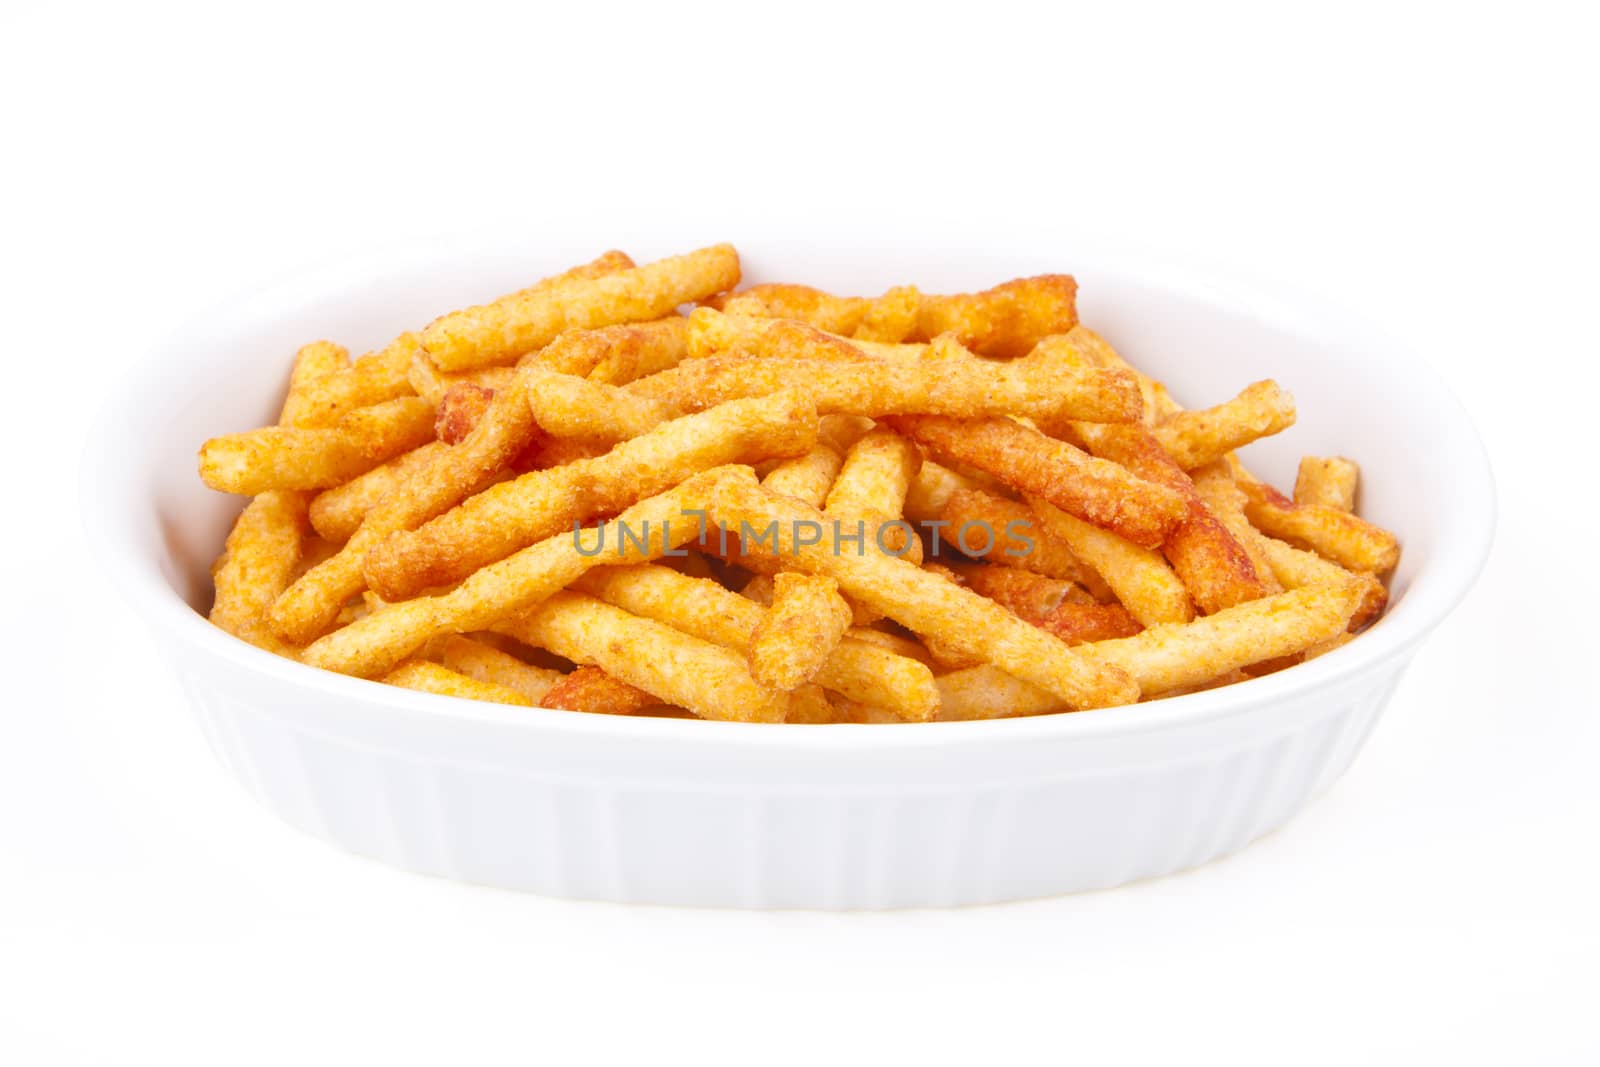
[(475, 659), (1043, 388), (799, 632), (336, 513), (1227, 502), (617, 354), (432, 678), (710, 680), (1005, 321), (509, 516), (836, 314), (922, 602), (1195, 438), (281, 457), (435, 386), (568, 406), (1095, 490), (1329, 481), (612, 262), (499, 333), (1139, 577), (309, 607), (705, 609), (987, 692), (713, 333), (314, 361), (892, 317), (930, 491), (1337, 535), (659, 524), (870, 491), (1062, 608), (1010, 534), (593, 690), (1296, 569), (1171, 656), (807, 477), (262, 552)]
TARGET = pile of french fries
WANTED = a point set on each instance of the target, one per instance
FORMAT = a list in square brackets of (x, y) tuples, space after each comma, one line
[(638, 490)]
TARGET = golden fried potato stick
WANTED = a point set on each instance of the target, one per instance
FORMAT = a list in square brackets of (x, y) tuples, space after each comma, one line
[(930, 491), (309, 608), (269, 544), (432, 678), (922, 602), (836, 314), (1227, 502), (1337, 535), (313, 362), (1005, 321), (618, 354), (807, 477), (1171, 656), (1297, 569), (593, 690), (870, 492), (1062, 608), (473, 658), (391, 372), (705, 609), (514, 514), (1042, 388), (282, 457), (892, 317), (799, 631), (658, 524), (434, 385), (1140, 578), (259, 561), (714, 333), (499, 333), (1195, 438), (568, 406), (336, 513), (987, 692), (1095, 490), (1018, 538), (1327, 480), (712, 681)]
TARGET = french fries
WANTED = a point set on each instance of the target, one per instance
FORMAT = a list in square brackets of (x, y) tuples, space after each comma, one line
[(969, 507), (500, 332)]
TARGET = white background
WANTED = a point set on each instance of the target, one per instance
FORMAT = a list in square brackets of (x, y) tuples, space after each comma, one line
[(1433, 167)]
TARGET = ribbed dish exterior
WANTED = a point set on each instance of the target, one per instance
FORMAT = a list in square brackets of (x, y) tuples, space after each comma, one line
[(557, 813)]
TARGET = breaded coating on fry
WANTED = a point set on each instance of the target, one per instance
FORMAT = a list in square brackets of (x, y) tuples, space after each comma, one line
[(1327, 480), (281, 457), (432, 678), (593, 690), (799, 632), (1195, 438)]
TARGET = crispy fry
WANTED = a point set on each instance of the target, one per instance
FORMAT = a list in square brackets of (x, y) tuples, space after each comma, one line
[(308, 608), (1169, 656), (314, 361), (836, 314), (658, 524), (569, 406), (612, 262), (986, 692), (1018, 538), (1296, 569), (1195, 438), (1329, 481), (262, 552), (433, 384), (280, 457), (870, 491), (1227, 502), (1095, 490), (336, 513), (799, 632), (514, 514), (892, 317), (617, 354), (930, 491), (712, 681), (714, 333), (473, 658), (965, 388), (593, 690), (807, 477), (1005, 321), (710, 612), (1337, 535), (1139, 577), (499, 333), (432, 678), (923, 602), (1062, 608)]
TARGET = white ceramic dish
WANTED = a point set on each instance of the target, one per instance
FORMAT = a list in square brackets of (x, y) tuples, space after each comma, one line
[(724, 814)]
